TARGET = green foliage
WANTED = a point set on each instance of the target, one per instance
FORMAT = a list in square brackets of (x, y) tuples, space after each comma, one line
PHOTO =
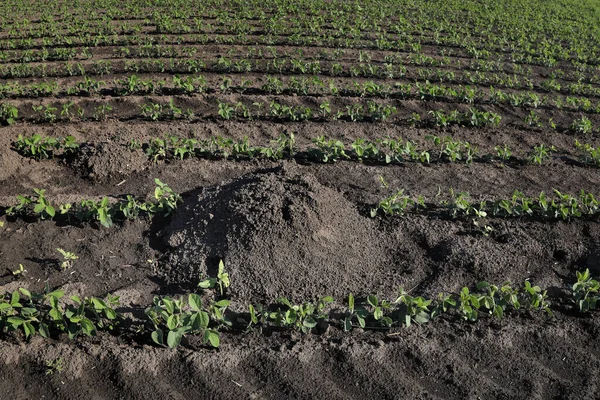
[(582, 125), (174, 318), (8, 114), (585, 291), (301, 317), (103, 211), (47, 313), (40, 147), (416, 308), (36, 146), (327, 150), (68, 258), (222, 280)]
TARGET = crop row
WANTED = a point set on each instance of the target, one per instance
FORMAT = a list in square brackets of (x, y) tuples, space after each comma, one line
[(527, 33), (392, 68), (104, 211), (460, 205), (171, 319), (303, 86), (249, 110), (378, 151)]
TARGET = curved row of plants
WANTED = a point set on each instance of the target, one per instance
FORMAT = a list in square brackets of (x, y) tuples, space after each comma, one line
[(393, 68), (312, 86), (529, 34), (205, 315), (361, 111), (383, 151)]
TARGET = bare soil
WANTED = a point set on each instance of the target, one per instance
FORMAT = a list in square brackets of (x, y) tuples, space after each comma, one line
[(301, 231)]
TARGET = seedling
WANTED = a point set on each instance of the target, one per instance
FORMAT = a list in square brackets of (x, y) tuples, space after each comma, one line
[(379, 309), (535, 298), (303, 317), (68, 258), (416, 308), (43, 206), (8, 114), (328, 150), (179, 319), (469, 304), (20, 271), (585, 291), (166, 198), (360, 314), (37, 147), (53, 366), (395, 204), (222, 280)]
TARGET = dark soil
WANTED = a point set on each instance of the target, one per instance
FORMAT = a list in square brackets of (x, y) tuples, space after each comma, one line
[(298, 230)]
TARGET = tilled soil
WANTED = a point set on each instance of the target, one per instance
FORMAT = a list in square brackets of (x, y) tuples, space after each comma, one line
[(302, 231)]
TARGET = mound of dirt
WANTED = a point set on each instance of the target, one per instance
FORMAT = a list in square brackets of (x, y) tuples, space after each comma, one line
[(108, 161), (280, 233)]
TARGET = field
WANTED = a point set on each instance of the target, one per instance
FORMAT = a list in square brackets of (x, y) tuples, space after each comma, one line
[(310, 199)]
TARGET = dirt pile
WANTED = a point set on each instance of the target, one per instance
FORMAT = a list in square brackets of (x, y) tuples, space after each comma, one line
[(280, 233)]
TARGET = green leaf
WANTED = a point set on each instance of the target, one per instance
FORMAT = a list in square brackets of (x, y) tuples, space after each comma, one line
[(195, 302), (361, 321), (204, 319), (157, 337), (373, 300), (174, 338), (212, 337), (223, 303), (347, 325), (44, 332), (110, 313), (50, 211), (253, 317), (422, 317), (15, 321), (351, 302), (309, 322), (57, 293), (172, 322), (14, 300), (207, 283), (98, 304), (88, 327), (39, 208), (29, 329)]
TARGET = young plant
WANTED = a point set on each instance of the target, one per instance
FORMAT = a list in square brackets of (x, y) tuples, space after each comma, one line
[(416, 308), (585, 291), (303, 317), (37, 147), (8, 114), (68, 258), (222, 280), (178, 319), (327, 150)]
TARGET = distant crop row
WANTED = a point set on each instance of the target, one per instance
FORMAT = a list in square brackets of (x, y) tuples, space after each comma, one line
[(532, 32), (303, 86), (367, 111)]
